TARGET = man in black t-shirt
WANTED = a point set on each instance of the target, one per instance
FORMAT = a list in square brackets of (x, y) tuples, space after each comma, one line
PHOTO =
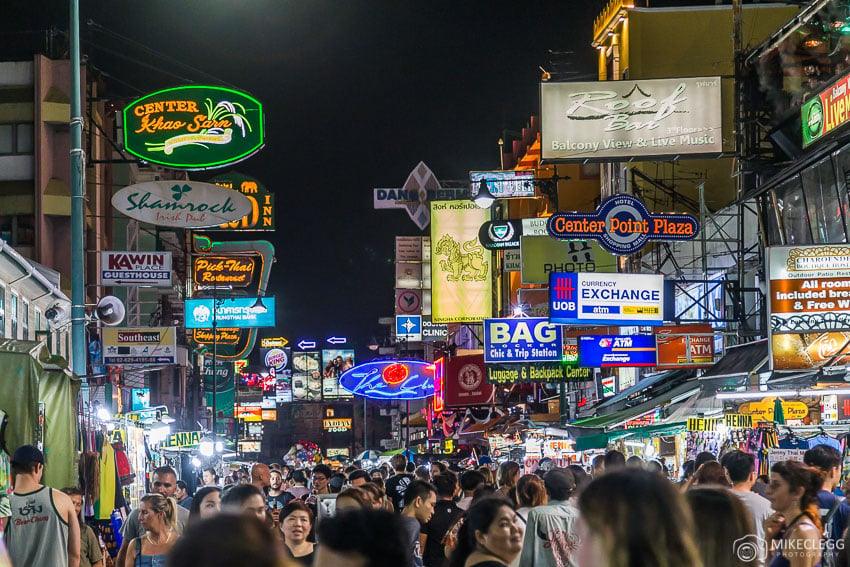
[(397, 484), (277, 498), (445, 515)]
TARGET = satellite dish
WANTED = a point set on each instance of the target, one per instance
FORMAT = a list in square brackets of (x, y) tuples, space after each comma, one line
[(110, 311)]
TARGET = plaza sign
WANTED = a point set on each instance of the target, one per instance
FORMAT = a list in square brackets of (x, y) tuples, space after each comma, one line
[(223, 336), (194, 127), (623, 225), (827, 111), (181, 204), (234, 312), (606, 299), (631, 119), (135, 268)]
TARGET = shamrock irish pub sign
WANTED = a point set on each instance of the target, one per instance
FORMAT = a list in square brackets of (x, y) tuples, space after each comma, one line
[(194, 127)]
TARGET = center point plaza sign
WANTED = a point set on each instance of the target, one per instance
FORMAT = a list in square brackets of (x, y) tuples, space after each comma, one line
[(631, 119), (181, 204), (623, 225), (194, 127), (606, 299), (231, 312)]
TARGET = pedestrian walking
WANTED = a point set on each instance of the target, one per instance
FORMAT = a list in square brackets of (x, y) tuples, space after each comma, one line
[(296, 524), (491, 535), (721, 526), (43, 529), (793, 532), (158, 517), (446, 512), (741, 469), (550, 535), (507, 478), (420, 498), (245, 499), (397, 484), (205, 504), (90, 552), (710, 473), (834, 510), (365, 538), (531, 492), (228, 540)]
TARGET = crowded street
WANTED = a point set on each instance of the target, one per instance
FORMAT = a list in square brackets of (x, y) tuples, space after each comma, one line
[(425, 284)]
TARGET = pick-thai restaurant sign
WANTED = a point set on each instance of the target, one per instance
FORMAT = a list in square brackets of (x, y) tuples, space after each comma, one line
[(194, 127), (607, 351), (809, 288), (142, 345), (135, 268), (237, 271), (261, 216), (606, 299), (631, 119), (522, 339), (240, 312), (623, 225), (827, 111), (222, 336), (541, 255), (555, 372), (685, 346), (181, 204)]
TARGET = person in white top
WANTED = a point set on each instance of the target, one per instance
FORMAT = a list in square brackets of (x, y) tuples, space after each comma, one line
[(741, 469)]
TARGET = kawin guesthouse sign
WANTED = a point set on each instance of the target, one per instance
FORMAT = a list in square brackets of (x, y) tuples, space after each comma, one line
[(194, 127)]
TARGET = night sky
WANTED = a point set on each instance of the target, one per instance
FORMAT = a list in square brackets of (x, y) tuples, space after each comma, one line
[(356, 94)]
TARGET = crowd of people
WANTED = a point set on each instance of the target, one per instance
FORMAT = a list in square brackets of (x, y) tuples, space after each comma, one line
[(617, 512)]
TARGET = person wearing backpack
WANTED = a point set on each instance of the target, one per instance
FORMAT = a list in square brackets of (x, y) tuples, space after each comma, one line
[(834, 510)]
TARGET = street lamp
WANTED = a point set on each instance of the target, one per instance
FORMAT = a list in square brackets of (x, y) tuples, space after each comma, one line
[(484, 198)]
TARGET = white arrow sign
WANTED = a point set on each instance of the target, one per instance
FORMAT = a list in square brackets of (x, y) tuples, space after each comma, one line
[(337, 340), (305, 344)]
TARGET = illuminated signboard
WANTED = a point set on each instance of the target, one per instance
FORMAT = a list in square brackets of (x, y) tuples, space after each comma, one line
[(503, 184), (307, 376), (623, 225), (439, 384), (523, 339), (240, 312), (194, 127), (553, 372), (603, 351), (337, 424), (731, 421), (261, 216), (269, 415), (141, 345), (248, 413), (135, 268), (183, 439), (237, 271), (685, 346), (827, 111), (270, 342), (250, 446), (335, 362), (390, 380), (606, 299), (505, 234), (630, 118), (223, 336)]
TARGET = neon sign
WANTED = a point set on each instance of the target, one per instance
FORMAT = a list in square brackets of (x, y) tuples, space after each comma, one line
[(623, 225), (390, 380)]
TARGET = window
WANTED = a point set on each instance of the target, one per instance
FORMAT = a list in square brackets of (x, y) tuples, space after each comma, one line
[(25, 320), (823, 205), (16, 139), (38, 320), (14, 315), (792, 212), (18, 230)]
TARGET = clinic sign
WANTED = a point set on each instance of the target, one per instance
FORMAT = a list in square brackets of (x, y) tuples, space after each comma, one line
[(623, 225), (826, 112), (631, 119), (523, 339), (607, 351), (135, 268), (181, 204), (194, 127), (232, 312), (606, 299)]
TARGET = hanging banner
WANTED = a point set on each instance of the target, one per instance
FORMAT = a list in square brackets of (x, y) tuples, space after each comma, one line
[(194, 127), (236, 271), (685, 346), (335, 362), (142, 345), (553, 372), (135, 268), (731, 421), (461, 270), (464, 382), (606, 299), (522, 339), (261, 216), (542, 255)]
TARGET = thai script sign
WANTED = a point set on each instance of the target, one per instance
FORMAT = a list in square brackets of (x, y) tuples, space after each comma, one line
[(606, 299), (522, 339), (623, 225), (142, 345), (261, 216), (239, 312), (237, 271), (194, 127), (135, 268), (626, 119), (181, 204), (827, 111), (606, 351)]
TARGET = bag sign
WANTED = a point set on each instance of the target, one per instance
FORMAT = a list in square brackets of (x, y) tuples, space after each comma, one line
[(521, 340)]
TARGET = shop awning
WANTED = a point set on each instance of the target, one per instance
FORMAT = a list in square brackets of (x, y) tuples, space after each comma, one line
[(643, 388), (740, 360), (601, 440)]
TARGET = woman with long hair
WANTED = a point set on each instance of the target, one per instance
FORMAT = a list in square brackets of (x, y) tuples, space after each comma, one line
[(296, 522), (158, 517), (635, 518), (530, 492), (506, 479), (723, 524), (205, 504), (491, 535), (793, 532), (710, 474)]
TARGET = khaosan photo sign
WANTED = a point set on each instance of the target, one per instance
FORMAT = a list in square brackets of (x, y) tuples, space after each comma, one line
[(461, 269), (194, 127), (626, 119)]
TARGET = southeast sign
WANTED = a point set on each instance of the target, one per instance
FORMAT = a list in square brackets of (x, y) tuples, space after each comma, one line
[(194, 127), (235, 312), (623, 225), (606, 299), (135, 268), (143, 345), (522, 339), (181, 204)]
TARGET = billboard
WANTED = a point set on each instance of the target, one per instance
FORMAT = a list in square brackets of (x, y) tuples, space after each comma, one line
[(461, 270), (827, 111), (464, 382), (335, 362), (503, 184), (235, 312), (307, 376), (795, 351), (278, 361), (604, 351), (135, 268), (685, 346), (236, 271), (140, 345), (523, 339), (643, 118), (261, 216), (606, 299), (550, 372), (194, 127), (542, 255)]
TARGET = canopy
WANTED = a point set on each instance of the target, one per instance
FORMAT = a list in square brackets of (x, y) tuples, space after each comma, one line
[(741, 360), (601, 440)]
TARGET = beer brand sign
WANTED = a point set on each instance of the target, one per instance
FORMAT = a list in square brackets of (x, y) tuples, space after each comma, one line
[(194, 127), (237, 271), (827, 111)]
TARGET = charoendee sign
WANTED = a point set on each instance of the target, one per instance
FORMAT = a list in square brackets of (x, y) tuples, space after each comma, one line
[(194, 127)]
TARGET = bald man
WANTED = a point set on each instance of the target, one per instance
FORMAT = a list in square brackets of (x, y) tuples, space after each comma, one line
[(261, 477)]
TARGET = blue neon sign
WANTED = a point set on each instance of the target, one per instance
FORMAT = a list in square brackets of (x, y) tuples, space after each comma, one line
[(234, 312), (605, 351), (390, 380)]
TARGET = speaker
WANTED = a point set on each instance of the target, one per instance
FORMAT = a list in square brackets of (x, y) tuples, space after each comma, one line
[(110, 311)]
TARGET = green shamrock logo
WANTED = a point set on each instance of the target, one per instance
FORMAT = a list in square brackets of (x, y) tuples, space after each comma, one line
[(178, 191)]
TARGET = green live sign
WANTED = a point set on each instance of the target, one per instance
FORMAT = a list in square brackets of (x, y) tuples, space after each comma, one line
[(194, 127)]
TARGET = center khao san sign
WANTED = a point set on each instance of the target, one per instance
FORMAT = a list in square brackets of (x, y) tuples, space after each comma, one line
[(623, 225), (181, 204), (194, 127), (390, 380)]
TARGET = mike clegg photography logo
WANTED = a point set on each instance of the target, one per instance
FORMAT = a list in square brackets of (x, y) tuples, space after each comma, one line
[(751, 548)]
